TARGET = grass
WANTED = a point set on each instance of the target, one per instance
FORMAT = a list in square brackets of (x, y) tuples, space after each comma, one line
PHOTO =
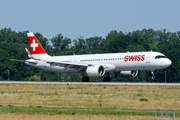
[(53, 112), (73, 112), (14, 116), (91, 96), (143, 99)]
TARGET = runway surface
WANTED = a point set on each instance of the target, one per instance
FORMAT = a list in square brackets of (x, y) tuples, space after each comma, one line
[(92, 83)]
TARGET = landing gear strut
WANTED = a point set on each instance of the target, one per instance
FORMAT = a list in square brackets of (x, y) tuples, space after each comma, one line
[(107, 78), (152, 72), (85, 79)]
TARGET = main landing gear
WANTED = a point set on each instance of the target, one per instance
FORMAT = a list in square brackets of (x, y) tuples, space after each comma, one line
[(107, 78), (152, 72), (85, 79)]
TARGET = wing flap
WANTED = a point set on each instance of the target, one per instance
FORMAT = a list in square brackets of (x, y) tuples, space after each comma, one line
[(71, 65)]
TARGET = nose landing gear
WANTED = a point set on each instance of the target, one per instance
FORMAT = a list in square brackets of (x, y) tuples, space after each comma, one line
[(152, 72)]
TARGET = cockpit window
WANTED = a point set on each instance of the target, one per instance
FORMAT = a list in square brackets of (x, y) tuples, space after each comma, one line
[(160, 56)]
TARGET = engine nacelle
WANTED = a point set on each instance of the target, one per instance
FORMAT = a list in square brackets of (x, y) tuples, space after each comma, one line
[(129, 73), (95, 71)]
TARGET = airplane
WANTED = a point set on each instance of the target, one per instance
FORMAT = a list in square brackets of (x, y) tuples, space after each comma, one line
[(94, 65)]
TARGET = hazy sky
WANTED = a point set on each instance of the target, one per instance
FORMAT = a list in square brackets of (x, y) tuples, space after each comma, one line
[(88, 18)]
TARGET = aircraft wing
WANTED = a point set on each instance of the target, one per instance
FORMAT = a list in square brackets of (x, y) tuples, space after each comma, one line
[(66, 65)]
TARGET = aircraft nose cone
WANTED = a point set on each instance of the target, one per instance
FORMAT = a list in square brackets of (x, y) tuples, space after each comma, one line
[(168, 63)]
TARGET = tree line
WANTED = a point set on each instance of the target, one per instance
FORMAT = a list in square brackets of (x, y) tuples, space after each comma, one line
[(12, 46)]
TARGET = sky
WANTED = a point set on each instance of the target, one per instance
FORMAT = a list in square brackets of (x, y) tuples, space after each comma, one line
[(88, 18)]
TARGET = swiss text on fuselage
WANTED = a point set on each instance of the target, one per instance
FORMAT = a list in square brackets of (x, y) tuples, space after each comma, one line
[(134, 58)]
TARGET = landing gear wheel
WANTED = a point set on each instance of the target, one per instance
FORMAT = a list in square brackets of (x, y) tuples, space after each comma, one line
[(107, 79), (85, 79), (152, 72)]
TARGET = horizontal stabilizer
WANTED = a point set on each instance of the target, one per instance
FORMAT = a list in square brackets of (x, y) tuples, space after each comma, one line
[(23, 61), (18, 60)]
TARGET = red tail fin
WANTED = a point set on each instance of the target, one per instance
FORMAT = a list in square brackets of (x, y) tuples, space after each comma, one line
[(35, 47)]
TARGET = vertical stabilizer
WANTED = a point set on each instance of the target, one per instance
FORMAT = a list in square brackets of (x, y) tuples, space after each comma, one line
[(36, 49)]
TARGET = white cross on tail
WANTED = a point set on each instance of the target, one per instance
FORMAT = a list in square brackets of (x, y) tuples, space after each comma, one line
[(34, 45)]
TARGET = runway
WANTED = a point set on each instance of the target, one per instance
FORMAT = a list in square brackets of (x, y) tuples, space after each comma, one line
[(91, 83)]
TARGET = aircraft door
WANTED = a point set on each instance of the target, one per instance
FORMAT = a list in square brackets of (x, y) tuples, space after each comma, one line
[(75, 60), (148, 56)]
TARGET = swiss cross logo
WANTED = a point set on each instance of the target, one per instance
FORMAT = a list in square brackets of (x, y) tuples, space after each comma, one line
[(34, 45)]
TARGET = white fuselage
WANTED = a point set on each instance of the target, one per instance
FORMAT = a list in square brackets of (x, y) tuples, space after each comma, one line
[(113, 62)]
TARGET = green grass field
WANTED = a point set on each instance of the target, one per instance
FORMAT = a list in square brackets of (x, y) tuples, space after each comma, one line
[(90, 96)]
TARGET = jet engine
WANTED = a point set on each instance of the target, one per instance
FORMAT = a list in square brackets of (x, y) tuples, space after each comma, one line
[(95, 71), (132, 73)]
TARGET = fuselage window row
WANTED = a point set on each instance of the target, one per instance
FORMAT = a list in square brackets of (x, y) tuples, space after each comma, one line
[(66, 61), (107, 59)]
